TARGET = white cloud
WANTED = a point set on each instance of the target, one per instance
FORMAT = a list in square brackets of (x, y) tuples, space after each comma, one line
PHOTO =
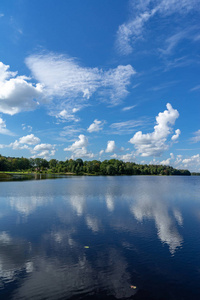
[(129, 32), (191, 163), (79, 148), (110, 147), (44, 150), (1, 15), (63, 77), (82, 142), (3, 129), (23, 142), (101, 152), (18, 146), (154, 143), (96, 126), (30, 139), (16, 93), (43, 147), (66, 115), (167, 162), (40, 150), (176, 135), (196, 137), (82, 152), (195, 159), (75, 109), (128, 157), (128, 107)]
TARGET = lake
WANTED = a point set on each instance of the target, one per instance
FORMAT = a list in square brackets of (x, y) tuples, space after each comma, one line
[(100, 237)]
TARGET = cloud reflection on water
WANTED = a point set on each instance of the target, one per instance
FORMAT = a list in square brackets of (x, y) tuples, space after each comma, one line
[(111, 218)]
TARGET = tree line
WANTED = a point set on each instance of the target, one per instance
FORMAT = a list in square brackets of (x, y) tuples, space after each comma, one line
[(80, 167)]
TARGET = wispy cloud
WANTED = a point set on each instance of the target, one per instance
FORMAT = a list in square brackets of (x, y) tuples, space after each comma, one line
[(173, 41), (126, 127), (128, 107), (70, 131), (196, 88), (196, 137), (3, 129), (163, 86), (129, 32), (27, 127), (68, 84)]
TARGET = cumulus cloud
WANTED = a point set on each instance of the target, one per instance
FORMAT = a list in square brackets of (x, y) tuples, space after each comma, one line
[(65, 115), (63, 77), (176, 135), (96, 126), (128, 157), (79, 148), (167, 161), (193, 160), (16, 145), (82, 142), (154, 143), (3, 129), (43, 147), (191, 163), (30, 139), (16, 93), (44, 150), (23, 143), (110, 147), (143, 11)]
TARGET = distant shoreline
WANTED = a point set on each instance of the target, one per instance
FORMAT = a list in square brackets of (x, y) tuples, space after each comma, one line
[(17, 176), (112, 167)]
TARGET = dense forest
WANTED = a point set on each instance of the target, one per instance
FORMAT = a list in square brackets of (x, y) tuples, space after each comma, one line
[(80, 167)]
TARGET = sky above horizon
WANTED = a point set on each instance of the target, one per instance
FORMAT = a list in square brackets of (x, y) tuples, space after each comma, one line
[(100, 80)]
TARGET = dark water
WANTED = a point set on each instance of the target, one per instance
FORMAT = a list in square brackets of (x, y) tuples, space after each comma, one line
[(135, 237)]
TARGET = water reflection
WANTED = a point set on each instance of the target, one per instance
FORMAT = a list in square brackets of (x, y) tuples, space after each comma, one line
[(110, 202), (153, 206), (86, 237), (78, 203)]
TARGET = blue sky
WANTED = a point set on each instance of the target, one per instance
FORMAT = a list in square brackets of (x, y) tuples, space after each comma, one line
[(101, 79)]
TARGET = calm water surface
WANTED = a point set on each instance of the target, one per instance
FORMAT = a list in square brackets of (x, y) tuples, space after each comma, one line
[(135, 237)]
